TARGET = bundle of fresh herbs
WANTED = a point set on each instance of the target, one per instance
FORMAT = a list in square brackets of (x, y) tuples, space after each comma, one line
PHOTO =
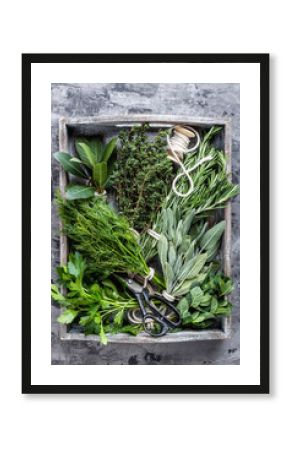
[(102, 236), (212, 188), (142, 175), (94, 165), (204, 304), (105, 243), (185, 249), (98, 307)]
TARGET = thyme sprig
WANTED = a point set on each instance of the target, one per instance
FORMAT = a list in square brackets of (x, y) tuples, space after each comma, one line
[(142, 175)]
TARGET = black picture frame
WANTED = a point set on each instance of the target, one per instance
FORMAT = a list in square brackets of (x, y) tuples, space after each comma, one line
[(263, 61)]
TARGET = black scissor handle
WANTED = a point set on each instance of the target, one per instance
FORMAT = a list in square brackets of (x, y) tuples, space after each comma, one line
[(150, 321), (172, 323)]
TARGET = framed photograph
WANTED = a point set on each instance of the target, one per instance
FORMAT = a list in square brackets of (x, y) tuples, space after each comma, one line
[(145, 223)]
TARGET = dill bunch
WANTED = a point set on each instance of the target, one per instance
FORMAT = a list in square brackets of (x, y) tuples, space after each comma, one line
[(102, 237)]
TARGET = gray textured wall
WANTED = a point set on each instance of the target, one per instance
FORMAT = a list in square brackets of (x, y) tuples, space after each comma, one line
[(204, 100)]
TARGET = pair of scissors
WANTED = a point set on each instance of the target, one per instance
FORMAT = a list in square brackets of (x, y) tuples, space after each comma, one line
[(156, 320)]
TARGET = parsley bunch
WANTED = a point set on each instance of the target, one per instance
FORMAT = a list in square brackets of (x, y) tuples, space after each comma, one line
[(98, 307)]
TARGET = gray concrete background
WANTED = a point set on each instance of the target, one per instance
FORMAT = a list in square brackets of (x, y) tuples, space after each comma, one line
[(202, 100)]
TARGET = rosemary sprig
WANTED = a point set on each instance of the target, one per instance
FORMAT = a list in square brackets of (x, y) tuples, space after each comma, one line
[(212, 187)]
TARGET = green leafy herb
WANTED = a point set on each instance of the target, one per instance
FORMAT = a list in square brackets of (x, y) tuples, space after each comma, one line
[(98, 307), (212, 190), (102, 237), (142, 175), (93, 165), (212, 187), (203, 304), (184, 248)]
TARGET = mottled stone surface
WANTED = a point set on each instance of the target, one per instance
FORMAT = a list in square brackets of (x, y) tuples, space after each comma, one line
[(202, 100)]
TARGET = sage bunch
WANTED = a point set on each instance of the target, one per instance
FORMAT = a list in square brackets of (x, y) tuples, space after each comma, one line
[(184, 249)]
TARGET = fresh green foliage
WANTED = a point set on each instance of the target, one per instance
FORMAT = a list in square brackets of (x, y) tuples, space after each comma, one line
[(142, 175), (70, 164), (76, 192), (104, 244), (212, 189), (210, 241), (183, 255), (94, 165), (98, 307), (102, 237), (204, 304)]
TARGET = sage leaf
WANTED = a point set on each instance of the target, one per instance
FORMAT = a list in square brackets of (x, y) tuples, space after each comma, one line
[(171, 254), (211, 238), (162, 247), (188, 222), (186, 241), (198, 264), (170, 231), (164, 222), (183, 288), (168, 275), (177, 265), (190, 252)]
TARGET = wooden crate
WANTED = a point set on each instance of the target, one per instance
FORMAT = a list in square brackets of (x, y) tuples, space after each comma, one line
[(68, 128)]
